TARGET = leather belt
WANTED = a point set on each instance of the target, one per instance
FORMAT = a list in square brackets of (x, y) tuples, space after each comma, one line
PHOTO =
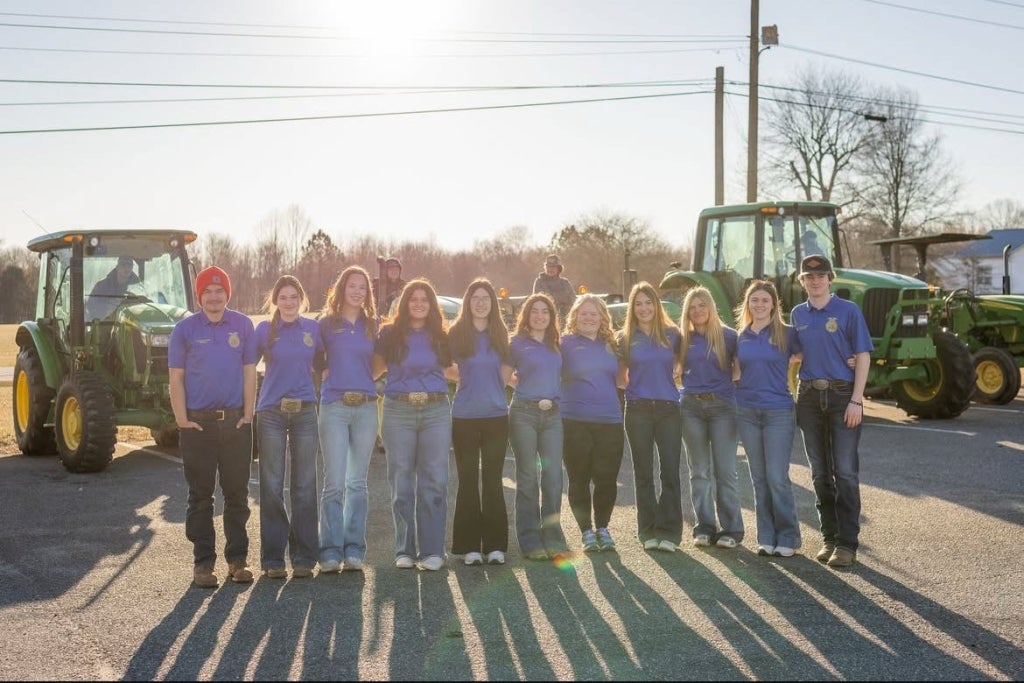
[(544, 404), (215, 415), (419, 398), (703, 397), (292, 406), (638, 402), (823, 384)]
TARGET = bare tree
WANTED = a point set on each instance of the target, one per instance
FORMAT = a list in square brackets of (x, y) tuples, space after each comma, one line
[(1001, 214), (813, 131), (908, 183), (285, 232)]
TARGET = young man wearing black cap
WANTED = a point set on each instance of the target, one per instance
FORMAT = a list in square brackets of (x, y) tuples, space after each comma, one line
[(552, 283), (212, 360), (830, 405)]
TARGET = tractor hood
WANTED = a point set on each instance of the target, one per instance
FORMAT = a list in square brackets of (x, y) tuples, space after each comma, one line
[(1005, 302), (150, 317), (876, 278)]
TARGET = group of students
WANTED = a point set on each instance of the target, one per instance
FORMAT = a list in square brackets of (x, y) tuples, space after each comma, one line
[(579, 392)]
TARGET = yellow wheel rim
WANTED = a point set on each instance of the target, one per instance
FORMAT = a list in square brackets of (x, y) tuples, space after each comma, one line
[(21, 399), (921, 392), (71, 423), (990, 377)]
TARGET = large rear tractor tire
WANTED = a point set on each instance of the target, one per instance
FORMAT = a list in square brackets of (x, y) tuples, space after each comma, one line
[(951, 383), (998, 376), (31, 405), (85, 425)]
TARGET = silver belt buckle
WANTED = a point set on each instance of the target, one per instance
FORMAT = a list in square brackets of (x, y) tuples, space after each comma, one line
[(820, 384), (545, 404), (291, 405), (418, 398)]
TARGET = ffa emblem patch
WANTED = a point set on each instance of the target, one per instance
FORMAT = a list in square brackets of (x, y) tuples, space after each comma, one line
[(831, 325), (307, 339), (233, 340)]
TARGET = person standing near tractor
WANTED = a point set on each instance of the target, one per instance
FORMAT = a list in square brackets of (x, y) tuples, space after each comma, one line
[(385, 293), (212, 362), (551, 282), (830, 405)]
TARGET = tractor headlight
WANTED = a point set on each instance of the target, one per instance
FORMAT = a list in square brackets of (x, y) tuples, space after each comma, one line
[(908, 319), (922, 319), (158, 340)]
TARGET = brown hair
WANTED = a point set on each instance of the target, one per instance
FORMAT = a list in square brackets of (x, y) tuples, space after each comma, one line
[(462, 334), (661, 323), (744, 318), (336, 300), (551, 339), (395, 334), (270, 304)]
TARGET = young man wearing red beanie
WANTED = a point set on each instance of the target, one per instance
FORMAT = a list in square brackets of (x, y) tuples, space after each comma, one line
[(212, 361)]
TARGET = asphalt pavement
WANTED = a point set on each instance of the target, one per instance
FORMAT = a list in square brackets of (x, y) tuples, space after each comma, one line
[(95, 572)]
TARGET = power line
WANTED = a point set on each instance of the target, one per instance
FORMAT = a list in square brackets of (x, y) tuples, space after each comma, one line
[(351, 116), (944, 14), (906, 71)]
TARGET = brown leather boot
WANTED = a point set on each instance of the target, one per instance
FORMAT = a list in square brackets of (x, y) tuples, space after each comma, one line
[(203, 576), (239, 572)]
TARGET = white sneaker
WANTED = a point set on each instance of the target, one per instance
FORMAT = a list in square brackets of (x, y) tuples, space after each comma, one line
[(651, 544), (727, 542), (353, 564), (765, 550), (433, 563), (404, 562), (495, 557), (472, 559), (702, 540), (330, 567), (783, 551), (667, 546)]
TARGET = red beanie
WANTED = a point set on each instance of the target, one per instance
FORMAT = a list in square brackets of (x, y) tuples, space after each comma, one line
[(212, 276)]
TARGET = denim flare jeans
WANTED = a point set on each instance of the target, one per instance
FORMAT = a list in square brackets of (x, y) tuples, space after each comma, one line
[(651, 423), (536, 439), (709, 434), (767, 437)]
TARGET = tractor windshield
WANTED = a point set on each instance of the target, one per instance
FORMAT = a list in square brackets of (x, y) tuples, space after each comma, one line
[(112, 279)]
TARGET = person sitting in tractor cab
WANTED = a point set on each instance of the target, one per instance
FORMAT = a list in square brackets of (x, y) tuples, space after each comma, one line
[(106, 294)]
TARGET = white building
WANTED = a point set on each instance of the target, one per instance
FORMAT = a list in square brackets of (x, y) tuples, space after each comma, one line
[(979, 265)]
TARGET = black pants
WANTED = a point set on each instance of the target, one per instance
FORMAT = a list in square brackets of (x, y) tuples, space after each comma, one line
[(592, 453), (223, 448), (481, 519)]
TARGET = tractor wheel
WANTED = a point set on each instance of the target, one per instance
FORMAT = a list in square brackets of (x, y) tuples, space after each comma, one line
[(165, 436), (948, 391), (998, 376), (31, 405), (86, 428)]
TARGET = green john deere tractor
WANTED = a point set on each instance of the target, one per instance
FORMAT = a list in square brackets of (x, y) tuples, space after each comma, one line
[(95, 357), (992, 325), (925, 367)]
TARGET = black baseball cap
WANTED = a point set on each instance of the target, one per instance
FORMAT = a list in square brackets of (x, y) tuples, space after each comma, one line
[(815, 263)]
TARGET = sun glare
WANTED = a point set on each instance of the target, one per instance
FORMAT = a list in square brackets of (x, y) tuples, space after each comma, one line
[(387, 28)]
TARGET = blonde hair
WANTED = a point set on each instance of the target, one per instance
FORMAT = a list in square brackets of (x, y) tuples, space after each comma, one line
[(660, 324), (744, 318), (712, 331), (604, 330), (336, 299)]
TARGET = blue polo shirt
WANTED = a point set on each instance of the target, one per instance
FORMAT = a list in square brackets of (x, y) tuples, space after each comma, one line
[(289, 370), (481, 391), (349, 358), (701, 373), (419, 371), (828, 336), (651, 366), (538, 369), (212, 356), (764, 382), (589, 368)]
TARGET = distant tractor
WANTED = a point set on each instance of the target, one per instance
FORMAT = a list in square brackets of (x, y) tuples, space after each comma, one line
[(95, 357), (925, 366), (992, 325)]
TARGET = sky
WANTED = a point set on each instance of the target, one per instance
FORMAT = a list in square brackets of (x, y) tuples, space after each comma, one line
[(408, 119)]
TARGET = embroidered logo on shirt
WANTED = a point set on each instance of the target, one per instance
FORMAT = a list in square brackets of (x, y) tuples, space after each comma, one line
[(832, 325), (233, 340), (307, 339)]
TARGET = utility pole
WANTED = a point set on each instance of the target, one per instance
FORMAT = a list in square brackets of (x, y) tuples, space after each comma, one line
[(769, 35), (719, 136)]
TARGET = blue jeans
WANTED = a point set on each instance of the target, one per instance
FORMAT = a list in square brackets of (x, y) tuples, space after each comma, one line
[(831, 449), (709, 434), (649, 423), (767, 437), (218, 453), (536, 439), (417, 440), (347, 436), (288, 441)]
